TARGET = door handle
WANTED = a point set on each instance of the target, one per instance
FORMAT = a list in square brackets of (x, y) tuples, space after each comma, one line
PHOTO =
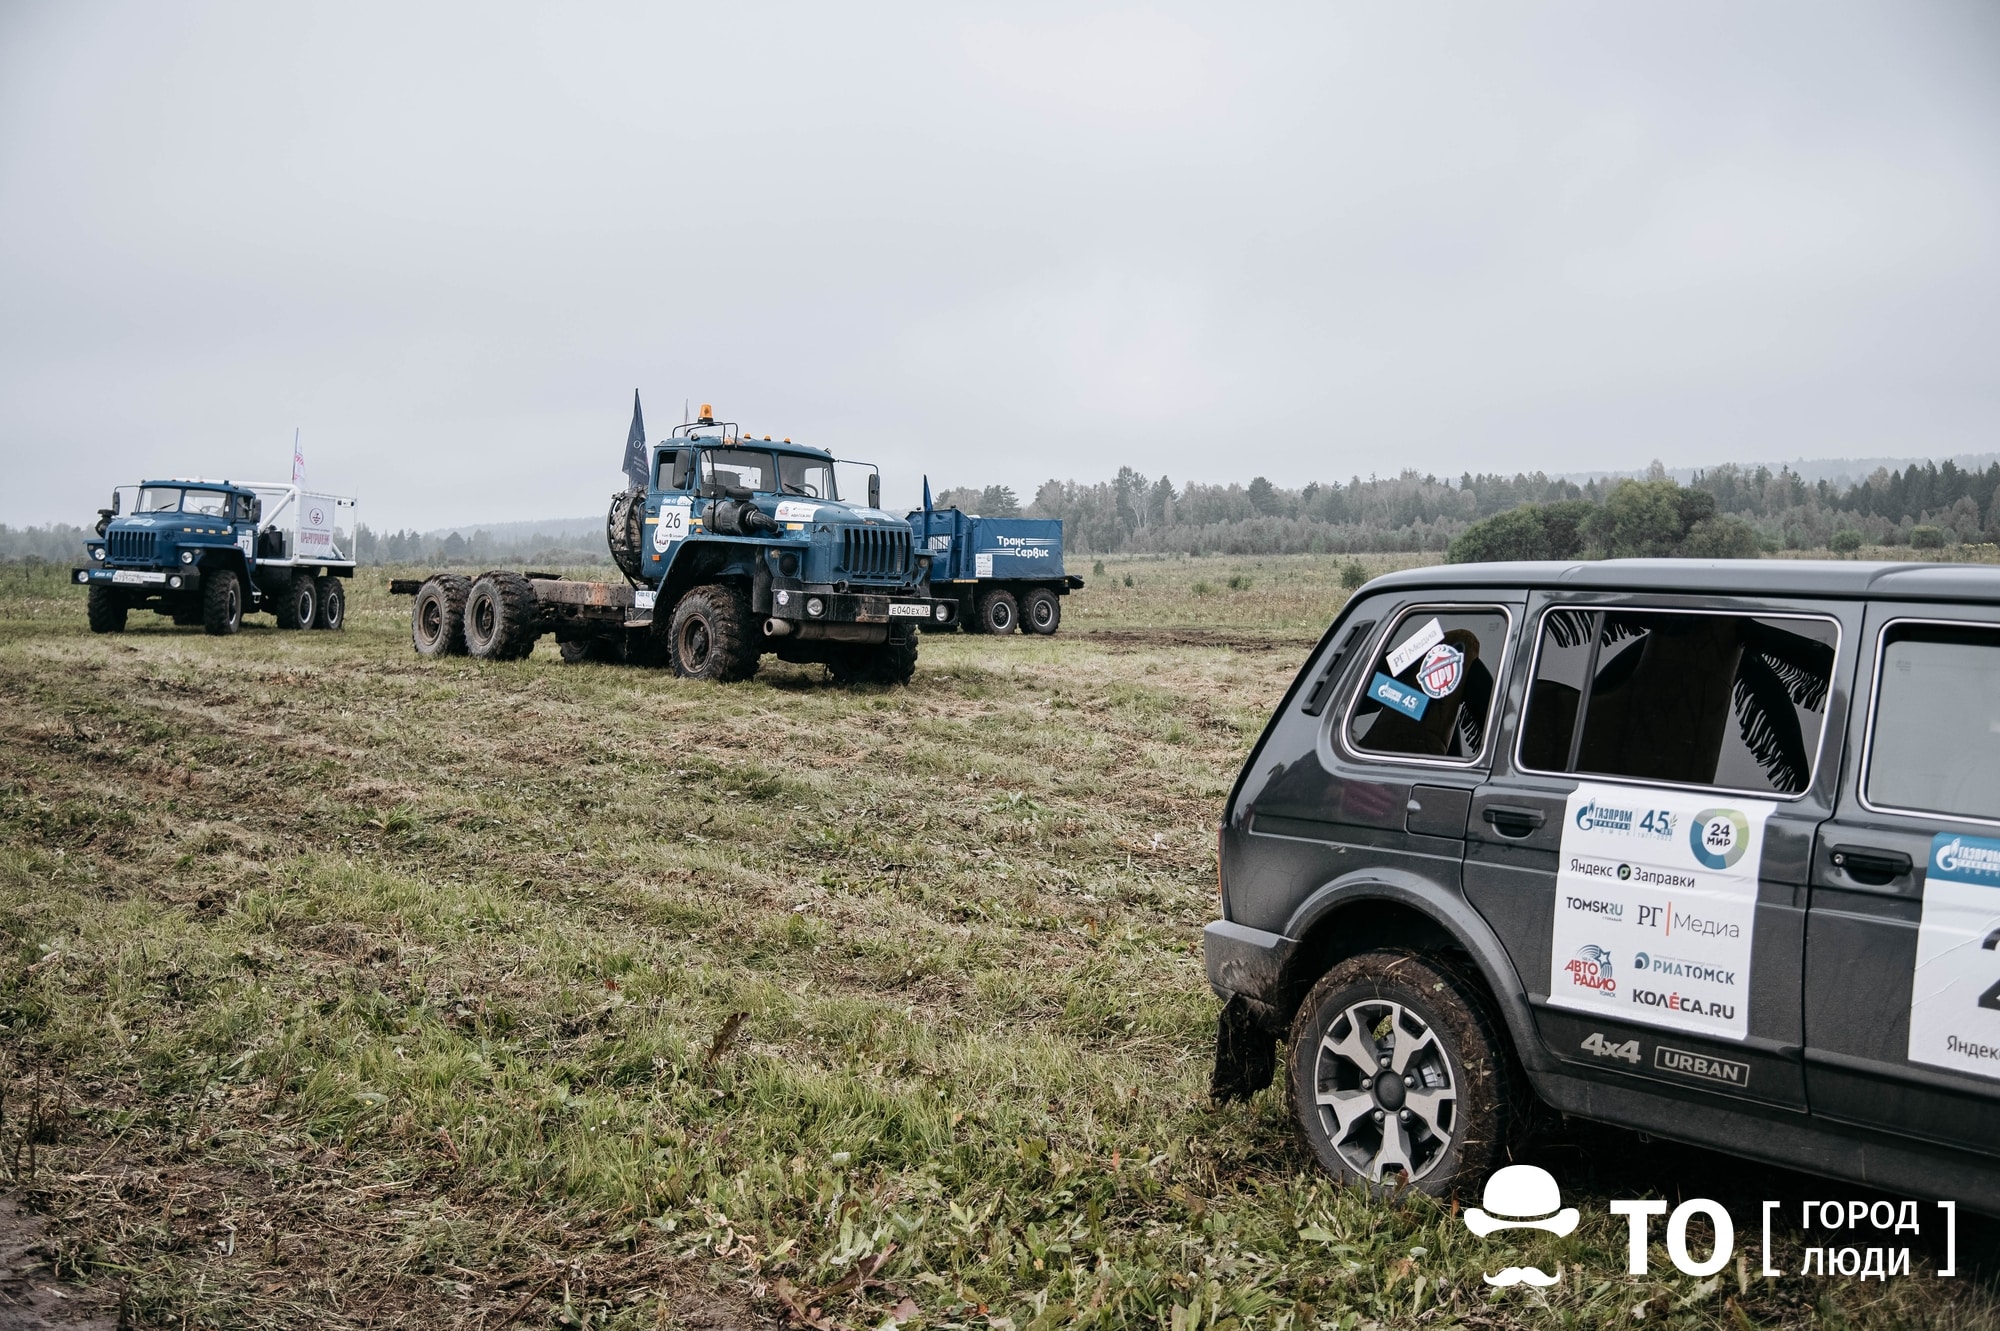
[(1507, 818), (1865, 864)]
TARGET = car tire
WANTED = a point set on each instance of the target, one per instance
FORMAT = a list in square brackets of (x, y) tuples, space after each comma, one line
[(999, 612), (1041, 612), (437, 619), (332, 605), (107, 610), (711, 635), (298, 603), (500, 617), (221, 602), (1451, 1111)]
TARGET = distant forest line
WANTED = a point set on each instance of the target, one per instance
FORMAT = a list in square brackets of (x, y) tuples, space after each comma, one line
[(1929, 503)]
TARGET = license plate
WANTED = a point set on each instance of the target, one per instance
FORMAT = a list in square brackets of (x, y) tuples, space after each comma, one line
[(900, 611), (131, 575), (643, 599)]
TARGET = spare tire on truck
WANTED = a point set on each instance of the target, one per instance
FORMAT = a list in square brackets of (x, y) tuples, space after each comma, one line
[(500, 617), (437, 619), (625, 532)]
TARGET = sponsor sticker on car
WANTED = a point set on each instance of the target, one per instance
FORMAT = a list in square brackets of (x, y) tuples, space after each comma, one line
[(1955, 991), (1656, 908)]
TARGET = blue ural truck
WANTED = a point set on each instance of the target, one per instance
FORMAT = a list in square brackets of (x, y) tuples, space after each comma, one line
[(209, 552), (735, 547), (1003, 573)]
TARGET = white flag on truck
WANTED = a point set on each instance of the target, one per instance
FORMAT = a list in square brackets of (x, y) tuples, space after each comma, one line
[(298, 461)]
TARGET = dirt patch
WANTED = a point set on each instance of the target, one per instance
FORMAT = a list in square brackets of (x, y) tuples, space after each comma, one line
[(1132, 639), (31, 1297)]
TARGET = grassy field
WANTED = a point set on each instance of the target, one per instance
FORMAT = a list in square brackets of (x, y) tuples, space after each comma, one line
[(345, 988)]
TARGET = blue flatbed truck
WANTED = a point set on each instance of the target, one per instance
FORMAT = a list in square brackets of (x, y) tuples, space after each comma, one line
[(1004, 573)]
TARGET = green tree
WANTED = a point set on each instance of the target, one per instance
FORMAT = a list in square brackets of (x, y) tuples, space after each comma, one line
[(1263, 496), (1532, 531), (1844, 542)]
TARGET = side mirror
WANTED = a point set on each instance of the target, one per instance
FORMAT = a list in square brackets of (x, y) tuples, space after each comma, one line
[(114, 503), (257, 510), (874, 490)]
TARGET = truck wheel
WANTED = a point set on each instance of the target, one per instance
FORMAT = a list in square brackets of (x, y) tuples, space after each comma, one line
[(711, 635), (332, 605), (1399, 1077), (298, 603), (889, 663), (107, 610), (1042, 611), (998, 612), (500, 617), (609, 651), (221, 602), (437, 620)]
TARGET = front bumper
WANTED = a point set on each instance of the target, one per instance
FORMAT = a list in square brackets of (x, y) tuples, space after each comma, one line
[(138, 579), (795, 605)]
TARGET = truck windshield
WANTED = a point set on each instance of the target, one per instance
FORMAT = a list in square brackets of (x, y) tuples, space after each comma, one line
[(160, 499), (749, 469), (214, 503), (810, 477)]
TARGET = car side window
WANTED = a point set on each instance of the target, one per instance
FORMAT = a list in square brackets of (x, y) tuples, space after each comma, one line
[(1429, 692), (670, 472), (1691, 698), (1934, 745)]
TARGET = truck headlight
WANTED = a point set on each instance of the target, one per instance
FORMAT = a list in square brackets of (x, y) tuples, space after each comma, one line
[(942, 611), (815, 606), (97, 553), (83, 575), (174, 581), (187, 556)]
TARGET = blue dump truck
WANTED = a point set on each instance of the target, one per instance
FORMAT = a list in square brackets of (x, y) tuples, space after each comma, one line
[(734, 547), (1002, 573), (208, 552)]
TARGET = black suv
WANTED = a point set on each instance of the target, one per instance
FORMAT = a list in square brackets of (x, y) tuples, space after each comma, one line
[(1705, 849)]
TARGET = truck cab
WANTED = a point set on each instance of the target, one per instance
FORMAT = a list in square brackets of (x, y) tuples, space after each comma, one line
[(207, 552)]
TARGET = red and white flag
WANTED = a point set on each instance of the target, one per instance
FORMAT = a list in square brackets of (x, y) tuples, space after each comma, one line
[(298, 461)]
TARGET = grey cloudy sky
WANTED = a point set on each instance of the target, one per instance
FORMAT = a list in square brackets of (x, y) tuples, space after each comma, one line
[(993, 244)]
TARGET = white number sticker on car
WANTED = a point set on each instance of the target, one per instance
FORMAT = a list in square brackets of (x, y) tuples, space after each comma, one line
[(673, 524)]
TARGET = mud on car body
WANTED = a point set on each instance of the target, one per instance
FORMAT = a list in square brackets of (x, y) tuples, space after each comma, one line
[(1710, 850)]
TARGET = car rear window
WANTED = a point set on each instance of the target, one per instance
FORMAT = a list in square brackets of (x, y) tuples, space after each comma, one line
[(1697, 699), (1429, 693), (1935, 745)]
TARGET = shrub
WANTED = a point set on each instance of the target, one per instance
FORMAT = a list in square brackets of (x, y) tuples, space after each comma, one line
[(1844, 542), (1532, 531), (1128, 579), (1926, 537), (1238, 583), (1721, 538), (1202, 587), (1097, 569), (1352, 575)]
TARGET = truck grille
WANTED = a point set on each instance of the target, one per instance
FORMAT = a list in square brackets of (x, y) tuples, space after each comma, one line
[(876, 553), (129, 547)]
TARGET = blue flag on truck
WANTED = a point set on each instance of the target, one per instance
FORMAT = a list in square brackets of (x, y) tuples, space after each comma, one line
[(635, 447), (927, 511)]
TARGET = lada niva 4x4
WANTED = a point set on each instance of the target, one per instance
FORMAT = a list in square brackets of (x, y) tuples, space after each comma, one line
[(1710, 850)]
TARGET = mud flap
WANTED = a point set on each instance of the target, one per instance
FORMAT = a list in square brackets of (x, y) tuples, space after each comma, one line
[(1246, 1053)]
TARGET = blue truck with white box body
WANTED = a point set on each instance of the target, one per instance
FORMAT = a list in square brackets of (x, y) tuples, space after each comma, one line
[(1004, 573)]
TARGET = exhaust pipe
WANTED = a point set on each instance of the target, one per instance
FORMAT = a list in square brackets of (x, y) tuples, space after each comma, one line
[(777, 628)]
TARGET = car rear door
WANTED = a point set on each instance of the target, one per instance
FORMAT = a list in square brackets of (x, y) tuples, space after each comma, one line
[(1642, 845), (1903, 935)]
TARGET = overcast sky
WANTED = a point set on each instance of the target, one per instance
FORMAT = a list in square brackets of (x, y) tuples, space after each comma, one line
[(991, 244)]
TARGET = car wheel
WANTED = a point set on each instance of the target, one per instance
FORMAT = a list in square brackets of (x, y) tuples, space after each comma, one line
[(107, 610), (332, 605), (998, 612), (221, 602), (298, 603), (437, 619), (1042, 611), (712, 635), (1398, 1077)]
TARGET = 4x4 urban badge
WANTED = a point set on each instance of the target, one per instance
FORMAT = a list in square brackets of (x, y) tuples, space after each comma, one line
[(1710, 850)]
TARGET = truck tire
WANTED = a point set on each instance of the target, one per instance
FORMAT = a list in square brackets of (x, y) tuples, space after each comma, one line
[(500, 617), (711, 635), (1041, 612), (332, 604), (437, 619), (298, 603), (221, 602), (999, 612), (891, 662), (107, 610), (1432, 1102), (625, 532), (605, 650)]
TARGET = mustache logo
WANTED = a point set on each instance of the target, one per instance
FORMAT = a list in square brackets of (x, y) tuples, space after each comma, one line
[(1525, 1275)]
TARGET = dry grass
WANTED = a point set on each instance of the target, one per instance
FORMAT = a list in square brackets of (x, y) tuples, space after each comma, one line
[(346, 988)]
